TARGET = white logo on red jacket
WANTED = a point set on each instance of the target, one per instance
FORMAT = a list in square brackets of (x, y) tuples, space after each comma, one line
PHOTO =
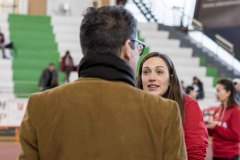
[(224, 125)]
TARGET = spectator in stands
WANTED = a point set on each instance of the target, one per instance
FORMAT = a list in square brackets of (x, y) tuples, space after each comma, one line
[(49, 78), (96, 4), (102, 115), (157, 75), (198, 87), (182, 85), (236, 83), (67, 65), (225, 128), (121, 2), (2, 44), (189, 90)]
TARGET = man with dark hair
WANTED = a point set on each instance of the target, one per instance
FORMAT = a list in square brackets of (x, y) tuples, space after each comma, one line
[(48, 78), (102, 116)]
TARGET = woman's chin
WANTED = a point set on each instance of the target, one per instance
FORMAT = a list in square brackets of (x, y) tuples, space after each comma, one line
[(154, 92)]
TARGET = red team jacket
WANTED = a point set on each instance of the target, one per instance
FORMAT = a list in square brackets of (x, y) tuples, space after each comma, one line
[(195, 131), (226, 135)]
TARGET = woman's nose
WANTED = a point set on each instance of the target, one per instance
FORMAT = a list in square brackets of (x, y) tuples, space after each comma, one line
[(152, 77)]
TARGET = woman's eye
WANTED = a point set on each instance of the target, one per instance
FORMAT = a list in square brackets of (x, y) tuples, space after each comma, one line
[(146, 72), (159, 72)]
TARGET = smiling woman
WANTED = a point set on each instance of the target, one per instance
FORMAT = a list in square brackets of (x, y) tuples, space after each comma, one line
[(157, 75), (152, 68)]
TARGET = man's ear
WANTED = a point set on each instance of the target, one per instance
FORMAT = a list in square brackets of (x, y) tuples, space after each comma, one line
[(126, 51)]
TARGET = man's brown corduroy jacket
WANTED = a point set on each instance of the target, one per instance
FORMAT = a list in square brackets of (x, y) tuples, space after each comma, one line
[(96, 119)]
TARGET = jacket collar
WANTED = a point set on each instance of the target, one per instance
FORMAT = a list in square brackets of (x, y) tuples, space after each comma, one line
[(106, 66)]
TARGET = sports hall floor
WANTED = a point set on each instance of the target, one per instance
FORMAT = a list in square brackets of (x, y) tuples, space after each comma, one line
[(10, 150)]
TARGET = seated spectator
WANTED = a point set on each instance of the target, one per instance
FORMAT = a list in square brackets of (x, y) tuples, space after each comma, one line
[(2, 44), (121, 2), (236, 82), (198, 87), (67, 65), (49, 78), (96, 4), (189, 90)]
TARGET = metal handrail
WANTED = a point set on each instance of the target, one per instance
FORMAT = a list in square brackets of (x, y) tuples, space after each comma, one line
[(224, 43)]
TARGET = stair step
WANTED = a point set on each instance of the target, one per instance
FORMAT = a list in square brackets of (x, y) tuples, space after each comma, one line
[(163, 43), (148, 26), (153, 34), (67, 21)]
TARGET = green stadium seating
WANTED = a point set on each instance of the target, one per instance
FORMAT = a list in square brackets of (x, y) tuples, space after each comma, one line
[(35, 42)]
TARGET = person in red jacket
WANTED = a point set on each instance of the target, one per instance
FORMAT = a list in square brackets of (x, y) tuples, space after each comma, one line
[(225, 127), (157, 75), (67, 65)]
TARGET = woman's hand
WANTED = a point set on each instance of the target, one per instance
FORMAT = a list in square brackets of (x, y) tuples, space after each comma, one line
[(211, 125)]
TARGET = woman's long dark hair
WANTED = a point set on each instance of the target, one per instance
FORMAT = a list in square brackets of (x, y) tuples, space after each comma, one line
[(229, 86), (175, 91)]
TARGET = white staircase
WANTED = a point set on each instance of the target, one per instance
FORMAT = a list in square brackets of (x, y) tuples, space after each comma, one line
[(6, 74), (186, 65), (66, 30)]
